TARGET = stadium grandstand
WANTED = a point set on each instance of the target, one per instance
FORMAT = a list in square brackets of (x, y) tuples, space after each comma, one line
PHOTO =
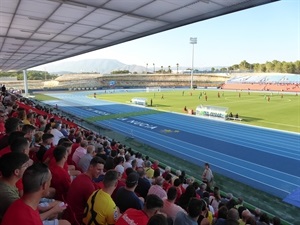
[(264, 82), (55, 170)]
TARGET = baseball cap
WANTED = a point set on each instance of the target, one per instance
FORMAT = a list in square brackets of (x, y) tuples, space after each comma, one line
[(132, 178)]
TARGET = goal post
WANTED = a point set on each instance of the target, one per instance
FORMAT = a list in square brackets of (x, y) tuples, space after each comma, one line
[(153, 89)]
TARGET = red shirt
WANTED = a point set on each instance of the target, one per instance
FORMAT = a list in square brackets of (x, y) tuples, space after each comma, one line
[(74, 146), (5, 150), (19, 185), (49, 153), (78, 195), (133, 216), (20, 213), (53, 163), (61, 181)]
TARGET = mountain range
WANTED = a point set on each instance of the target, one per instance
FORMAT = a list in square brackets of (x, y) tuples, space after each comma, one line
[(102, 66)]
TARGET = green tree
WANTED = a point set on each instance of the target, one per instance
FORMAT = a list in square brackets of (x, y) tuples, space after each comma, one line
[(120, 72), (244, 65)]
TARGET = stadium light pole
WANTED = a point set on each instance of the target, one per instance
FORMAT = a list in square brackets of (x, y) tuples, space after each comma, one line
[(193, 41), (153, 67)]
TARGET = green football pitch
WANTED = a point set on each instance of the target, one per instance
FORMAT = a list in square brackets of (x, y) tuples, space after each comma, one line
[(272, 110)]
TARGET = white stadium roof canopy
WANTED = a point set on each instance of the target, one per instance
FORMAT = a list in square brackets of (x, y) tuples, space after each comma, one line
[(36, 32)]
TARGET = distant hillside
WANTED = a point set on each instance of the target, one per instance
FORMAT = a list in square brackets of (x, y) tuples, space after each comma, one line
[(103, 66)]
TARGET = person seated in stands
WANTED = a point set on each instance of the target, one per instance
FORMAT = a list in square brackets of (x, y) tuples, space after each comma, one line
[(236, 115), (149, 171), (56, 133), (64, 130), (152, 205), (125, 196), (100, 208), (186, 196), (177, 174), (215, 199), (155, 164), (3, 117), (222, 216), (194, 211), (246, 214), (61, 180), (11, 139), (159, 219), (167, 171), (12, 167), (127, 163), (232, 217), (157, 189), (143, 183), (29, 131), (36, 181), (80, 152), (78, 194), (263, 220), (230, 115), (47, 140), (167, 182), (170, 208), (30, 119), (11, 125), (84, 162), (185, 109)]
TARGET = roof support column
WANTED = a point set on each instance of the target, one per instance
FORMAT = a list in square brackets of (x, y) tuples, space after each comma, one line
[(25, 82)]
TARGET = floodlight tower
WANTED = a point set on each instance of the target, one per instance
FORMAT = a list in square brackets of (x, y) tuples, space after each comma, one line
[(193, 41)]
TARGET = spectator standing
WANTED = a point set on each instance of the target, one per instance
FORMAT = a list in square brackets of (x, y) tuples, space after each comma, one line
[(207, 176)]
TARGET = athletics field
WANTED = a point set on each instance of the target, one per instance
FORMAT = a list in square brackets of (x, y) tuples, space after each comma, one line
[(273, 110)]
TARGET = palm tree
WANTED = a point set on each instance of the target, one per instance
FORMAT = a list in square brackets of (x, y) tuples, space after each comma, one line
[(177, 64), (169, 69), (162, 71), (153, 67)]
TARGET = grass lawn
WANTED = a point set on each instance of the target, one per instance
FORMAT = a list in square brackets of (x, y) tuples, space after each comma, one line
[(42, 97), (281, 112)]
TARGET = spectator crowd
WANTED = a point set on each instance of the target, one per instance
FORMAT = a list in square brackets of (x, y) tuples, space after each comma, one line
[(54, 172)]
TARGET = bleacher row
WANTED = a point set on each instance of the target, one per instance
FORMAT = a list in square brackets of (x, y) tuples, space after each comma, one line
[(131, 187), (277, 82), (262, 87)]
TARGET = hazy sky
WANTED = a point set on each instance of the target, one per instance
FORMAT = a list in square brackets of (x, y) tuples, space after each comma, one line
[(257, 35)]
